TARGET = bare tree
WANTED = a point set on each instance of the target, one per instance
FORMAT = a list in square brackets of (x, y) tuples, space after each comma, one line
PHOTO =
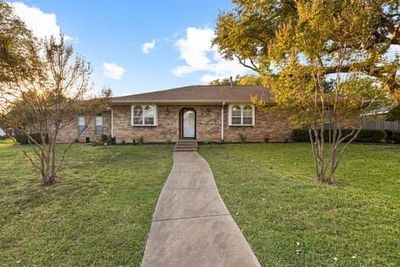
[(47, 103)]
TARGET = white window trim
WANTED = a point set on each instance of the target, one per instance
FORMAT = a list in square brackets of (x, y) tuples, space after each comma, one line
[(145, 125), (241, 108)]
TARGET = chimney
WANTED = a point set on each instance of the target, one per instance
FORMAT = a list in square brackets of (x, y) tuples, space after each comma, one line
[(231, 80)]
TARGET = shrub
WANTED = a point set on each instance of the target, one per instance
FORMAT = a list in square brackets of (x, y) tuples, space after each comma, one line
[(168, 141), (396, 137), (389, 136), (300, 135), (371, 136), (104, 138), (365, 135), (140, 140), (23, 139), (243, 138)]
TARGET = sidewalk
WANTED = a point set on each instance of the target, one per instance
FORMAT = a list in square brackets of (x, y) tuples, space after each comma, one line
[(191, 225)]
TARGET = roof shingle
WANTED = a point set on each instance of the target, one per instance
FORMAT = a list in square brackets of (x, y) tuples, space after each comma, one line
[(199, 93)]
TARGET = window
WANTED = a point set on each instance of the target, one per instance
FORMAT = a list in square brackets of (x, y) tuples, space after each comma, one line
[(81, 124), (144, 115), (99, 125), (241, 115)]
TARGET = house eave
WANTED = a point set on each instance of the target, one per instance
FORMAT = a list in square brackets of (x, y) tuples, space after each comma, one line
[(180, 102)]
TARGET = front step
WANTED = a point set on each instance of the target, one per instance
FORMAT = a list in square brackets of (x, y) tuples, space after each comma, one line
[(185, 146)]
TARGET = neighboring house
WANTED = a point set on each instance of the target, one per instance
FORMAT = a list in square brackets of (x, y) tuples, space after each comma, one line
[(2, 132), (203, 113)]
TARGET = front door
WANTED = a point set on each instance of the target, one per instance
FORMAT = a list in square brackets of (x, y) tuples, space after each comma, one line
[(188, 123)]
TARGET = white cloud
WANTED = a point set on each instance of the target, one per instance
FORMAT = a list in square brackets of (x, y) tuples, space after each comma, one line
[(199, 56), (40, 23), (146, 47), (113, 71)]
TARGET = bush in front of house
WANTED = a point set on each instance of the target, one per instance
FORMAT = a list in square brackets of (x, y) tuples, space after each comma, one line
[(23, 139), (396, 137), (389, 136), (300, 135), (243, 138), (140, 140), (392, 136), (365, 135), (371, 136)]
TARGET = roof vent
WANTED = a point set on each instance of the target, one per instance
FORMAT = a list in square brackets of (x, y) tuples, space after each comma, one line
[(231, 81)]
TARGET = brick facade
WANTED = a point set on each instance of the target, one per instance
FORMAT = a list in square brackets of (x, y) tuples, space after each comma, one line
[(70, 132), (208, 126)]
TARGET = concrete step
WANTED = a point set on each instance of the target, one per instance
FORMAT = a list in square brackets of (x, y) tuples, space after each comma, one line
[(186, 145), (185, 149)]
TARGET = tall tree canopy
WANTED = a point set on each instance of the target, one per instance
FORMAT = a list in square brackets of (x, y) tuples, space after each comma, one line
[(18, 51), (238, 80), (327, 62)]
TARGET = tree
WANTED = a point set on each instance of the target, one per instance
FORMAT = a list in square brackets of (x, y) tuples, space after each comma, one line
[(18, 51), (49, 102), (326, 63), (239, 80)]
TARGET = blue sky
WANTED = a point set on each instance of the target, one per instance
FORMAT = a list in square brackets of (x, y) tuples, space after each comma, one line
[(111, 35)]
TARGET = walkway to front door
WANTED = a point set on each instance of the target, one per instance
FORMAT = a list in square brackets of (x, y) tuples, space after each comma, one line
[(191, 225)]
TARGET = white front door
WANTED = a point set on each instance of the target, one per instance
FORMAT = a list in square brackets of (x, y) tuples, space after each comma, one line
[(189, 120)]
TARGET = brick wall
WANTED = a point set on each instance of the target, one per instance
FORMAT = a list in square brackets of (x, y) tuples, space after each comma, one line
[(70, 132), (269, 126), (272, 126)]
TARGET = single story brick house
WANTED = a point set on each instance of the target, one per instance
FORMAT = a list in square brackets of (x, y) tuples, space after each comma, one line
[(203, 113)]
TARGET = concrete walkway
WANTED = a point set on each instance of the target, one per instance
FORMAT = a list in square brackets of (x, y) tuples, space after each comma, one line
[(191, 225)]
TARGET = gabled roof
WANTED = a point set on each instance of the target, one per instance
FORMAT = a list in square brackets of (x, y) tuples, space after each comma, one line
[(199, 94)]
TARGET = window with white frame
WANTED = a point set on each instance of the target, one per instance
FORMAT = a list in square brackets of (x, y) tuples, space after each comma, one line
[(241, 115), (81, 124), (144, 115), (99, 125)]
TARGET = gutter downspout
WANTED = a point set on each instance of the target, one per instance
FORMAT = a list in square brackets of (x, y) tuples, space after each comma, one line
[(222, 121)]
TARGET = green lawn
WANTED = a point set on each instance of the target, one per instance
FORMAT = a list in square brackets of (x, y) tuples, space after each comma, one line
[(291, 220), (97, 214)]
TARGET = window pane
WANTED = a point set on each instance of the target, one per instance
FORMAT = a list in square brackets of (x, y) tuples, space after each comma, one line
[(99, 120), (236, 120), (81, 129), (247, 111), (149, 121), (81, 121), (99, 130), (138, 111), (236, 111), (248, 120), (137, 120), (148, 111)]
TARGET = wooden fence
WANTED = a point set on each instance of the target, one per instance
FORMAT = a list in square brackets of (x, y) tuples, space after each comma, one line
[(383, 124)]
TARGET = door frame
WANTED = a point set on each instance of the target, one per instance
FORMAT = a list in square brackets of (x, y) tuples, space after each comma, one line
[(181, 121)]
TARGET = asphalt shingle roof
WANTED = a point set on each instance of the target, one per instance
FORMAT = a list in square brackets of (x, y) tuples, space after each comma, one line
[(200, 93)]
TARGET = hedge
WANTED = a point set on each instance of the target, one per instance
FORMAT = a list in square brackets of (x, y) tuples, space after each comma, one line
[(23, 139), (365, 135)]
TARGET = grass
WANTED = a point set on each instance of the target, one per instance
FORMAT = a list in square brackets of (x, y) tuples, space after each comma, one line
[(292, 220), (97, 214)]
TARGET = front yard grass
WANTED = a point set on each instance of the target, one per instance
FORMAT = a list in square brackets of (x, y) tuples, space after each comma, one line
[(290, 219), (97, 214)]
